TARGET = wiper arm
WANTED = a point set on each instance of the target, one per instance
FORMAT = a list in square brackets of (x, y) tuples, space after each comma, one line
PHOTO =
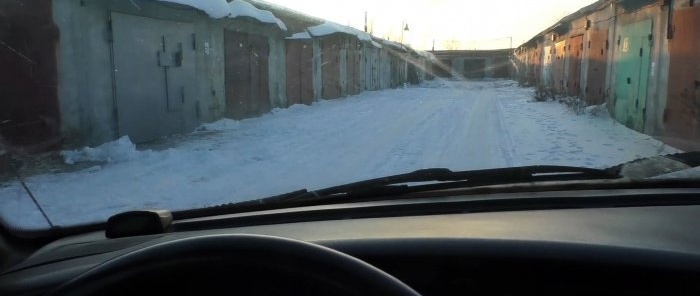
[(446, 178)]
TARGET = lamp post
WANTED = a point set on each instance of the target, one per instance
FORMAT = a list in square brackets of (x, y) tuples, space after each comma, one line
[(404, 27)]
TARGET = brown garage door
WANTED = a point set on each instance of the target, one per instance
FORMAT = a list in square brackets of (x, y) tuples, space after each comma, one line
[(558, 58), (330, 66), (682, 116), (574, 52), (299, 72), (246, 71), (597, 66), (354, 68)]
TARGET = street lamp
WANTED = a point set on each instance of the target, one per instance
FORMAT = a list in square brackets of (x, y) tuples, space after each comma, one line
[(404, 27)]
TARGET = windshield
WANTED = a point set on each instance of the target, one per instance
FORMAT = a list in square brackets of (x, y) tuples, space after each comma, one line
[(108, 106)]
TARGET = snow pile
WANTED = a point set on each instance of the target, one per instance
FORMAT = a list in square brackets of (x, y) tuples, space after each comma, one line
[(117, 151), (329, 28), (598, 110), (691, 173), (236, 8), (220, 125), (213, 8), (240, 8)]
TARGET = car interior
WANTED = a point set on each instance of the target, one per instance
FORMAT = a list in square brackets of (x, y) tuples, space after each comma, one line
[(550, 241)]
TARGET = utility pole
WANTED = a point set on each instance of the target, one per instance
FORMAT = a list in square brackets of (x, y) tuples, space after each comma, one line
[(433, 45), (511, 42)]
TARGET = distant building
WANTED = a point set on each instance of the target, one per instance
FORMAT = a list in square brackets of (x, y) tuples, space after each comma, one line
[(473, 64)]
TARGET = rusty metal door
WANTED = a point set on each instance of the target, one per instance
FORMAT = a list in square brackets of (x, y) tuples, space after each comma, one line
[(259, 74), (246, 74), (293, 64), (547, 78), (598, 45), (29, 105), (237, 76), (357, 73), (682, 114), (575, 54), (353, 67), (299, 72), (330, 67), (558, 74), (153, 79), (537, 65)]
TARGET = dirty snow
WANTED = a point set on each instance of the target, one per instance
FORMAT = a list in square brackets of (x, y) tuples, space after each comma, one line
[(452, 124), (329, 28)]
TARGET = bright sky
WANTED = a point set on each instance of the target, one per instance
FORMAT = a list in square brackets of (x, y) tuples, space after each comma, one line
[(466, 24)]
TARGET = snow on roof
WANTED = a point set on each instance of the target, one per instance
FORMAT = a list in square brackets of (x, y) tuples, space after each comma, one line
[(375, 44), (240, 8), (213, 8), (425, 54), (394, 44), (300, 35), (236, 8), (329, 28)]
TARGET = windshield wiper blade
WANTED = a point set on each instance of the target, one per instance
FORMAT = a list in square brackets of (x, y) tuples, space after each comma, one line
[(398, 184), (442, 178)]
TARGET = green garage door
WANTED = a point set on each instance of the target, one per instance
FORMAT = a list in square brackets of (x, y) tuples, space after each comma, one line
[(632, 73)]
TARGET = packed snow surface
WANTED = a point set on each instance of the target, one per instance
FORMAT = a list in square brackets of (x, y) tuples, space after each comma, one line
[(458, 125)]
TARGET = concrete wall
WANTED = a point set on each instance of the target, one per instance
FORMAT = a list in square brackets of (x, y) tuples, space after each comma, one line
[(491, 60)]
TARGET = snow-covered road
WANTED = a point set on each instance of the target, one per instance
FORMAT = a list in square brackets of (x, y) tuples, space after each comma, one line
[(457, 125)]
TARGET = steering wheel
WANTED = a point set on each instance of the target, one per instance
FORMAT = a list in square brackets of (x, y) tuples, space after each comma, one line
[(243, 263)]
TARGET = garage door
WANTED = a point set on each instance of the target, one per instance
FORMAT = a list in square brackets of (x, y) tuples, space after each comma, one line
[(632, 73), (153, 69)]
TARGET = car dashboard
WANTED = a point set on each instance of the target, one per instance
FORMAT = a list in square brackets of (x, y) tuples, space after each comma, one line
[(627, 250)]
